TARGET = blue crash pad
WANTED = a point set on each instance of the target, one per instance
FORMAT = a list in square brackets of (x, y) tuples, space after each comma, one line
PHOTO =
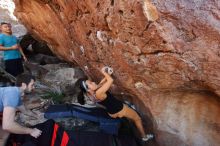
[(106, 123)]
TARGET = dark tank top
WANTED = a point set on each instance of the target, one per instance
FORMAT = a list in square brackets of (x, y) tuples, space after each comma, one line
[(111, 104)]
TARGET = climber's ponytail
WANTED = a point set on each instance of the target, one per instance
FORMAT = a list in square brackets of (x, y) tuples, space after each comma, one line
[(81, 98), (81, 84)]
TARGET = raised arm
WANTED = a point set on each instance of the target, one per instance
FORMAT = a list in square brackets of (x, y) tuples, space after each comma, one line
[(10, 125), (101, 92), (102, 82)]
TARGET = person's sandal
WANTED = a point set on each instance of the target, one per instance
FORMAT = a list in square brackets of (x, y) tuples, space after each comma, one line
[(147, 137)]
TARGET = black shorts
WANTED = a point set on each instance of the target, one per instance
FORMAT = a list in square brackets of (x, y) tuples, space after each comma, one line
[(14, 66)]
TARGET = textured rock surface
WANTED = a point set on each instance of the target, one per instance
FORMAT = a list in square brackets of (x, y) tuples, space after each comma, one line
[(181, 51), (186, 118)]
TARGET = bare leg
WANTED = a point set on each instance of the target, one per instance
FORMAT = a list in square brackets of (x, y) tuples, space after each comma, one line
[(132, 115)]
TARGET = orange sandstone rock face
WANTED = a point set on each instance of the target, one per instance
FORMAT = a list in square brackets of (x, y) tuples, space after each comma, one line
[(180, 52), (186, 118)]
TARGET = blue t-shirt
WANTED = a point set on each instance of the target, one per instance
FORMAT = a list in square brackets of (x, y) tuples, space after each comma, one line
[(9, 41), (10, 96)]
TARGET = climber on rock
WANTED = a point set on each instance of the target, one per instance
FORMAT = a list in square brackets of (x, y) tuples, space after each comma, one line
[(115, 108)]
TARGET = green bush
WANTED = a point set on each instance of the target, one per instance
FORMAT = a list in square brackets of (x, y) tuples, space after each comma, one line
[(56, 97)]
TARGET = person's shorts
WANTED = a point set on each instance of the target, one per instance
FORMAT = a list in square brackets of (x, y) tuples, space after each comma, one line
[(14, 66)]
